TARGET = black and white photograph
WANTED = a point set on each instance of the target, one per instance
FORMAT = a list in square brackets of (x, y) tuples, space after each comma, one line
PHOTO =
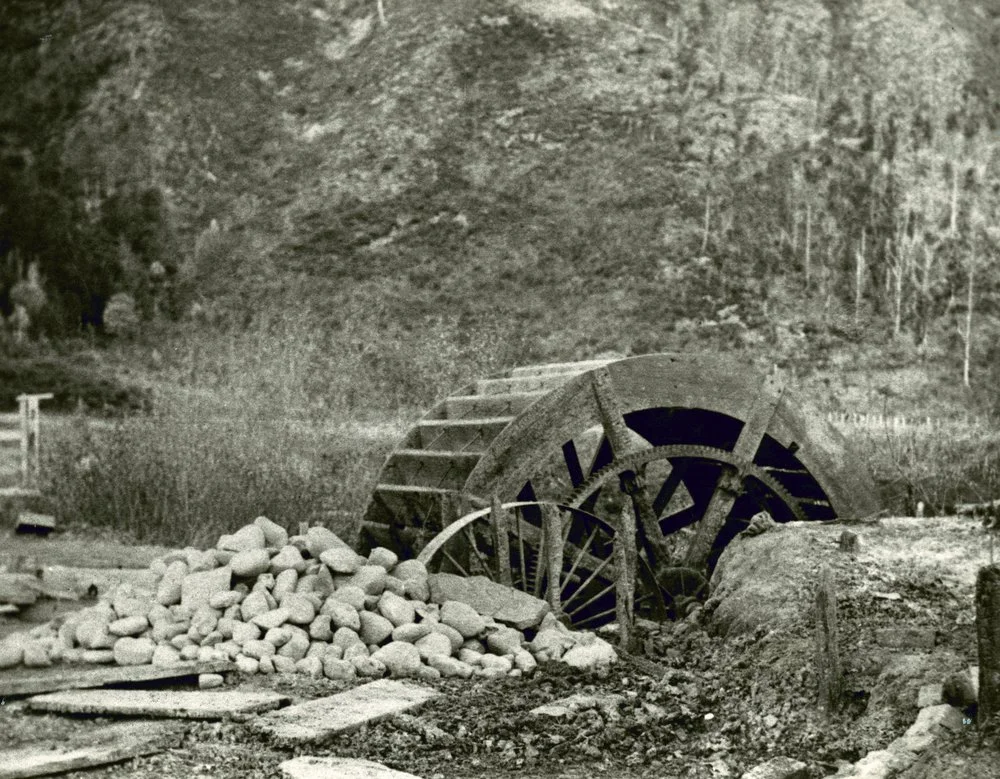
[(474, 389)]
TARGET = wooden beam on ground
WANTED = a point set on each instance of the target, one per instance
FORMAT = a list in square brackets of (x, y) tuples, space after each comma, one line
[(20, 589), (344, 711), (99, 746), (17, 683), (179, 704)]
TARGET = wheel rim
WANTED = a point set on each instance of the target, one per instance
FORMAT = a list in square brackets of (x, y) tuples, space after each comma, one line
[(587, 576)]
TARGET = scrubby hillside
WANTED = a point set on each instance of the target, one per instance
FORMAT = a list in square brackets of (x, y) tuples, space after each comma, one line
[(590, 175)]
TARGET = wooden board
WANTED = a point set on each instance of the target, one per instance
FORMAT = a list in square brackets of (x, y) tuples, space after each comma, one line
[(181, 704), (343, 711), (102, 746), (14, 683), (338, 768)]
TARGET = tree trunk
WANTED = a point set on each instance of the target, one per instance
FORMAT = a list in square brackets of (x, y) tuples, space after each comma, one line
[(968, 322), (988, 637)]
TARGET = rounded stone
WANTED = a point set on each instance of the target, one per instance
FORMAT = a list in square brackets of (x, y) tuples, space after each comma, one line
[(450, 666), (321, 628), (370, 578), (275, 535), (465, 619), (399, 658), (165, 656), (247, 537), (128, 626), (310, 666), (288, 558), (341, 560), (374, 627), (245, 631), (301, 610), (278, 636), (385, 558), (338, 670), (258, 649), (350, 594), (250, 563), (341, 614), (396, 609), (412, 632), (284, 583), (504, 641), (224, 600), (133, 651), (456, 638), (254, 605), (433, 644), (345, 637), (247, 665), (408, 570)]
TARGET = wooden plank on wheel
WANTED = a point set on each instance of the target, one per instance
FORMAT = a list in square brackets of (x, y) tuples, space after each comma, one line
[(344, 711), (16, 683), (721, 503), (102, 746), (182, 704)]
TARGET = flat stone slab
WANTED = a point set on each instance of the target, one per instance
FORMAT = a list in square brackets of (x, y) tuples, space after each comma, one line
[(489, 598), (180, 704), (906, 638), (109, 744), (344, 711), (338, 768), (32, 681), (563, 707)]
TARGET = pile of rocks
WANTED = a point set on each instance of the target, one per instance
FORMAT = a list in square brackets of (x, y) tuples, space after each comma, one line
[(309, 604)]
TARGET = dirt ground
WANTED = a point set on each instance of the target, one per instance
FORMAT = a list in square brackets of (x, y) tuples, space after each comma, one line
[(708, 697)]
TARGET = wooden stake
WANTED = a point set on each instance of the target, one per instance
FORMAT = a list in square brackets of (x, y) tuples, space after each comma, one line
[(988, 639), (499, 523), (828, 668), (625, 556), (553, 543)]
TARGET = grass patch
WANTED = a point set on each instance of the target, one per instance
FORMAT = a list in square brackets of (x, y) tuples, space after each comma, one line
[(938, 467), (73, 382)]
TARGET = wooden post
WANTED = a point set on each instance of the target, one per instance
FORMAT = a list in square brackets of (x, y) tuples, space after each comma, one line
[(625, 557), (988, 638), (633, 484), (499, 522), (553, 542), (828, 669), (31, 459), (22, 404)]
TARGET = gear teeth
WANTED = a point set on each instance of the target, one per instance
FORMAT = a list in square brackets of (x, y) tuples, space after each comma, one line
[(639, 459)]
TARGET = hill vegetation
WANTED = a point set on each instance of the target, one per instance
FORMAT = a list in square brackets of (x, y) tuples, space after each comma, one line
[(295, 207)]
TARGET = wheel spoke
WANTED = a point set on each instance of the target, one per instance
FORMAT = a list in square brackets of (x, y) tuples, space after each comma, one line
[(594, 617), (520, 545), (669, 487), (540, 566), (454, 562), (483, 561), (579, 556), (594, 574), (572, 458), (591, 599)]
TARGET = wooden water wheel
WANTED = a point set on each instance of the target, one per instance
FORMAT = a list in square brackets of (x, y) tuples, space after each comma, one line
[(696, 446)]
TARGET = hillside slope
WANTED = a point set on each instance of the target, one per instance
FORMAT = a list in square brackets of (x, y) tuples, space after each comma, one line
[(575, 176)]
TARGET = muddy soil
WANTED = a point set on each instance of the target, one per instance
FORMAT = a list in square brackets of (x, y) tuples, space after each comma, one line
[(702, 698)]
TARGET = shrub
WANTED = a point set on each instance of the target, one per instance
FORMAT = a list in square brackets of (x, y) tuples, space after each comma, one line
[(72, 382), (177, 480)]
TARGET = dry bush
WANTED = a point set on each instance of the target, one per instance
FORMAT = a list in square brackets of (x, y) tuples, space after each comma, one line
[(938, 467)]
